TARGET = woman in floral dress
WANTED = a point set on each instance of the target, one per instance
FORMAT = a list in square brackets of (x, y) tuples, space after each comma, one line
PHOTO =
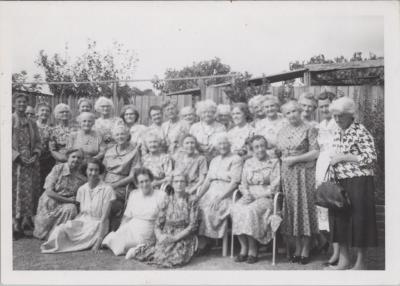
[(160, 164), (26, 150), (88, 229), (206, 129), (189, 162), (297, 142), (57, 205), (308, 105), (46, 161), (242, 130), (174, 229), (106, 122), (215, 195), (250, 214), (60, 133)]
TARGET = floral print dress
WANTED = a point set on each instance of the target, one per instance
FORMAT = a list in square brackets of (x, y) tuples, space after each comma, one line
[(300, 216), (175, 216)]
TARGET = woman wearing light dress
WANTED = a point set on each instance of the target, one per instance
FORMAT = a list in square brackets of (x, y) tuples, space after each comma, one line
[(105, 123), (251, 213), (215, 195), (88, 229), (137, 226), (242, 130), (206, 129)]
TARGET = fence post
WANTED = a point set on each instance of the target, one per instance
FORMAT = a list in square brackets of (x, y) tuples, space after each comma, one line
[(115, 97)]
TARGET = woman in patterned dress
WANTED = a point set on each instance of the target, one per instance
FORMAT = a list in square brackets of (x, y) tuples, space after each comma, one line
[(120, 161), (297, 142), (160, 164), (250, 214), (137, 226), (257, 111), (308, 105), (242, 130), (353, 162), (106, 122), (130, 117), (46, 161), (61, 132), (174, 229), (88, 229), (189, 162), (58, 203), (87, 139), (215, 195), (206, 129), (26, 150), (84, 105)]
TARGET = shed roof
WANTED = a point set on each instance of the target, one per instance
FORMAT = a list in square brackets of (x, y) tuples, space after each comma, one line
[(344, 66)]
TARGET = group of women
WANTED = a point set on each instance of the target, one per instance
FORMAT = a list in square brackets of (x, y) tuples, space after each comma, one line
[(162, 193)]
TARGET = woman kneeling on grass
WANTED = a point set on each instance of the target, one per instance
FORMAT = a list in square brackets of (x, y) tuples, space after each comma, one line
[(91, 225)]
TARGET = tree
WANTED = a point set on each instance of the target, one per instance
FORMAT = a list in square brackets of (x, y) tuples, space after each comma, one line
[(116, 63), (203, 68), (19, 78), (241, 90)]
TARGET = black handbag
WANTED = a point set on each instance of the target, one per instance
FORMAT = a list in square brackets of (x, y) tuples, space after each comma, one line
[(330, 194)]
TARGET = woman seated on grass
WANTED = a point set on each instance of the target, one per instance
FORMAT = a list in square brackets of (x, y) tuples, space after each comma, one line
[(175, 228), (88, 229)]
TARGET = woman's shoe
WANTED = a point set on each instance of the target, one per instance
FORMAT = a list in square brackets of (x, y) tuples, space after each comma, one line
[(327, 263), (240, 258), (295, 259), (252, 259), (304, 260)]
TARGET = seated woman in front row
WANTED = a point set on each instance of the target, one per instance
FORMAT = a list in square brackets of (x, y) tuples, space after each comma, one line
[(137, 225), (88, 229), (175, 228), (260, 180), (57, 204), (215, 195)]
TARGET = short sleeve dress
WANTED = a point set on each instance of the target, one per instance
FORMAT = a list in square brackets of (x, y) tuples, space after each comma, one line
[(82, 232), (300, 216)]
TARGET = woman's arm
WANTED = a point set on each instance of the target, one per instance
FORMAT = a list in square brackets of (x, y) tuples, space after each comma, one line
[(60, 199), (58, 156)]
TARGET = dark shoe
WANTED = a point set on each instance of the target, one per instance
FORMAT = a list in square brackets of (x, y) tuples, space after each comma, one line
[(252, 259), (294, 259), (240, 258), (304, 260), (327, 263)]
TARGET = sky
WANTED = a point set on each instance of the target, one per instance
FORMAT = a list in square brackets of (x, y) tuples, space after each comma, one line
[(258, 37)]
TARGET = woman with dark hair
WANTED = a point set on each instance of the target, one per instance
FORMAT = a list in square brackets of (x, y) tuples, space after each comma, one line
[(242, 130), (26, 151), (353, 160), (88, 229), (120, 161), (250, 214), (137, 225), (297, 142), (130, 117), (188, 161), (58, 203), (174, 230)]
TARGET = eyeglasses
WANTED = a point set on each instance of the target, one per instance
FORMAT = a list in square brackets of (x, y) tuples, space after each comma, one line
[(30, 113)]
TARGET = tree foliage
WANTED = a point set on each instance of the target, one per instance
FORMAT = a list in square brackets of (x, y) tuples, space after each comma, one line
[(18, 80), (241, 90), (116, 63), (197, 69)]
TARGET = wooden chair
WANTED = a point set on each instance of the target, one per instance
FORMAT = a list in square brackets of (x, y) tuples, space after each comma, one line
[(276, 208)]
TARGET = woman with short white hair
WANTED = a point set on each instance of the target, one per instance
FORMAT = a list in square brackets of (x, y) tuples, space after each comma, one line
[(215, 195), (88, 140), (60, 133), (256, 109), (308, 105), (224, 115), (353, 163), (105, 123), (188, 114), (206, 129)]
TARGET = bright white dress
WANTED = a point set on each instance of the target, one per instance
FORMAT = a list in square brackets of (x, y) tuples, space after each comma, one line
[(326, 130), (237, 136), (82, 232), (137, 226)]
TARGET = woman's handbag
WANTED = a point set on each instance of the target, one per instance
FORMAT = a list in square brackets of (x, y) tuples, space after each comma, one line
[(330, 194)]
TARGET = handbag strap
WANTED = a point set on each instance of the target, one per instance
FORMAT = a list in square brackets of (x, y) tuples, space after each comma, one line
[(330, 171)]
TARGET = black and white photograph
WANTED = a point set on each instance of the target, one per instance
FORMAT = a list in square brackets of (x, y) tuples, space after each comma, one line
[(199, 142)]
